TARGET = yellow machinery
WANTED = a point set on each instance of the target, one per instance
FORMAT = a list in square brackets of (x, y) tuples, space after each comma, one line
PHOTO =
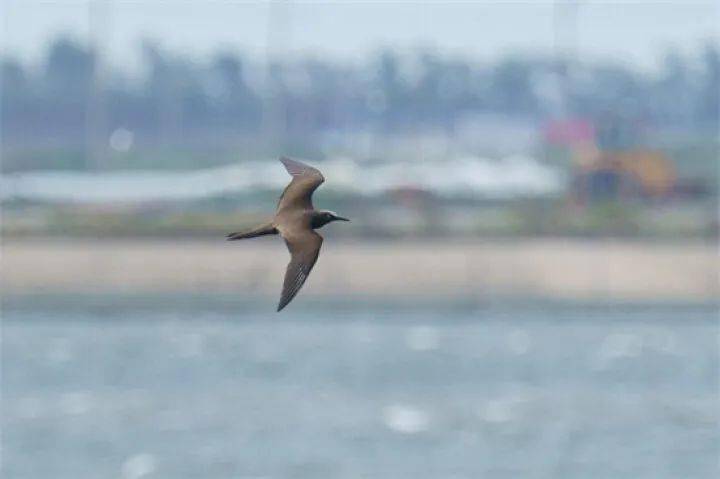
[(651, 171)]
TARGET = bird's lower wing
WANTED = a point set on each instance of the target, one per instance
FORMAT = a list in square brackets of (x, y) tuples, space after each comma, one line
[(304, 250)]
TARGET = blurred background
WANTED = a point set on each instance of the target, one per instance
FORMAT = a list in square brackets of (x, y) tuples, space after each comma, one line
[(528, 288)]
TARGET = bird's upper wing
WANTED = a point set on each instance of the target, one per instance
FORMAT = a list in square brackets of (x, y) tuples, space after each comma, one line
[(305, 181), (304, 249)]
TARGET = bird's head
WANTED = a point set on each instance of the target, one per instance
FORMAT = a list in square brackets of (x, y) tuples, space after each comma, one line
[(323, 217)]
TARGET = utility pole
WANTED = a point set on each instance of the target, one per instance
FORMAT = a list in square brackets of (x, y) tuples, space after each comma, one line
[(565, 14), (96, 151), (274, 112)]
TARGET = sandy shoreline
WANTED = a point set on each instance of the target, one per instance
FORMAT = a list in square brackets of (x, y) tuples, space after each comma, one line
[(549, 268)]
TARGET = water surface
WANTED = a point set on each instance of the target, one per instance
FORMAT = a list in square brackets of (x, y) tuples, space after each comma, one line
[(441, 393)]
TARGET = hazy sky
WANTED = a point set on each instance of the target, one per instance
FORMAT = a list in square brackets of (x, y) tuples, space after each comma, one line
[(636, 32)]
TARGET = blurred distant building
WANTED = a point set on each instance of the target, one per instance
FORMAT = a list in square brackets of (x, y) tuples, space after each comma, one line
[(497, 132), (571, 133)]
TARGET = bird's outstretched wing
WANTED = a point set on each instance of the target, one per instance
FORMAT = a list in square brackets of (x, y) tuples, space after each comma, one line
[(304, 249), (305, 181)]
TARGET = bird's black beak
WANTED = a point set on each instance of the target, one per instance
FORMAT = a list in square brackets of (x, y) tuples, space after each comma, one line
[(341, 218)]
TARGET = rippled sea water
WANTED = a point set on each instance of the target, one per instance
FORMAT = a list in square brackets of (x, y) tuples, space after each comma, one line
[(500, 393)]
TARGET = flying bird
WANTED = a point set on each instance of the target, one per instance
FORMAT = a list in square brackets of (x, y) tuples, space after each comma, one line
[(295, 220)]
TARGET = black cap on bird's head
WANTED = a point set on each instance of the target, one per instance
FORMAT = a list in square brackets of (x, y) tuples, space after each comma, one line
[(323, 217)]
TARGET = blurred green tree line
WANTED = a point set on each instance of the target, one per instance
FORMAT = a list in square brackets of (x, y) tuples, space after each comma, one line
[(177, 102)]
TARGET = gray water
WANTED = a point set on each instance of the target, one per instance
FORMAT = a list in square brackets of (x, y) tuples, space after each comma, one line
[(527, 392)]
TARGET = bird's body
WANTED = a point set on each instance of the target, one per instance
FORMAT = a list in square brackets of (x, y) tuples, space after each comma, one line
[(295, 220)]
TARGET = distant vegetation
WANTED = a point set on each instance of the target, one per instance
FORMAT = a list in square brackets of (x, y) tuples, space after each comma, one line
[(75, 111), (180, 113)]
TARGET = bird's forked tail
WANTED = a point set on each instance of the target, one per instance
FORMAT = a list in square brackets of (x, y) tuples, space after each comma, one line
[(266, 229)]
